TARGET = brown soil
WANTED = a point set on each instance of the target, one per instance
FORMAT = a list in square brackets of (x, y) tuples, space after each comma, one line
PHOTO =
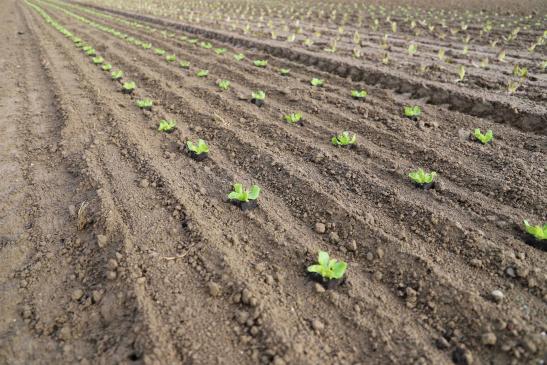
[(117, 247)]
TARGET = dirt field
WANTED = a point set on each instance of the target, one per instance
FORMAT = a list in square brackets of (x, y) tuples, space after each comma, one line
[(116, 247)]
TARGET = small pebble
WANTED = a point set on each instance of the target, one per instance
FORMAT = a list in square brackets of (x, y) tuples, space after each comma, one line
[(320, 228), (77, 294), (488, 339), (317, 325), (497, 296), (214, 289)]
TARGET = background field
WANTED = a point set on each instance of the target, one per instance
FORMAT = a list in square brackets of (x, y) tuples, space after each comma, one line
[(117, 248)]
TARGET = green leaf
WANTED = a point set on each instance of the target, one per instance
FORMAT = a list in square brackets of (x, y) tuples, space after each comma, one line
[(238, 188), (338, 269), (315, 268), (254, 192), (323, 258)]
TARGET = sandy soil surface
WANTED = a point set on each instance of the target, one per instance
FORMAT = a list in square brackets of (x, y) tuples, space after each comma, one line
[(117, 248)]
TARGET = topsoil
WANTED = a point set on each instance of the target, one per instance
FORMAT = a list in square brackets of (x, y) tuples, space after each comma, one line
[(116, 247)]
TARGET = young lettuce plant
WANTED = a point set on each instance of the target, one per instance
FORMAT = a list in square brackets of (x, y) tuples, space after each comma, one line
[(243, 198), (91, 52), (293, 118), (220, 51), (128, 87), (483, 138), (116, 75), (159, 51), (184, 64), (106, 67), (98, 60), (284, 71), (223, 84), (327, 271), (317, 82), (202, 73), (412, 112), (461, 73), (345, 139), (145, 104), (206, 45), (146, 45), (423, 179), (171, 58), (167, 125), (199, 150), (538, 232), (260, 63), (239, 56), (258, 97), (359, 94)]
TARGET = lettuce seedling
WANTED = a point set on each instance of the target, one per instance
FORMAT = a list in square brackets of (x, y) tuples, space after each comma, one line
[(421, 177), (167, 125), (284, 71), (412, 112), (199, 148), (538, 232), (184, 64), (202, 73), (240, 194), (116, 75), (461, 73), (258, 97), (260, 63), (106, 67), (193, 41), (128, 87), (293, 118), (91, 52), (220, 51), (521, 72), (146, 45), (98, 60), (86, 48), (239, 56), (223, 84), (358, 94), (327, 268), (483, 138), (159, 51), (171, 58), (206, 45), (344, 139), (145, 104), (317, 82)]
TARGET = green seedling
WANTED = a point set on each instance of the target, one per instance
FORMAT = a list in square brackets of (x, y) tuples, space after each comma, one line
[(206, 45), (243, 195), (184, 64), (412, 49), (223, 84), (421, 177), (198, 148), (461, 73), (358, 94), (344, 139), (317, 82), (98, 60), (167, 125), (220, 51), (202, 73), (258, 95), (91, 52), (329, 269), (284, 71), (106, 67), (193, 41), (145, 104), (521, 72), (86, 48), (239, 56), (116, 75), (293, 118), (129, 86), (412, 111), (171, 58), (483, 138), (146, 45), (260, 63), (538, 232), (159, 51)]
